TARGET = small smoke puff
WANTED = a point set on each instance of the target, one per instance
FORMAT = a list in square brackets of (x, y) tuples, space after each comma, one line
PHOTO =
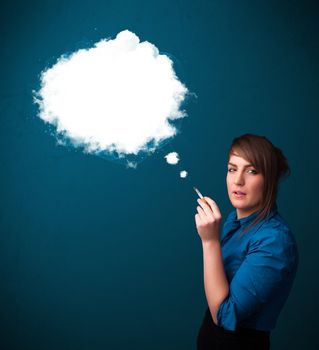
[(183, 173), (118, 96), (172, 158), (130, 164)]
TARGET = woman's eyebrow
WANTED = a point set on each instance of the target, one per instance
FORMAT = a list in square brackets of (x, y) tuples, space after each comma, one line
[(245, 166)]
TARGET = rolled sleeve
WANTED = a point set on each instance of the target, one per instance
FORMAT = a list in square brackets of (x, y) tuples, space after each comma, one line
[(264, 270)]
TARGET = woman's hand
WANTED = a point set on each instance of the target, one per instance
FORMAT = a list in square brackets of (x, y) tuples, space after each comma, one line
[(208, 219)]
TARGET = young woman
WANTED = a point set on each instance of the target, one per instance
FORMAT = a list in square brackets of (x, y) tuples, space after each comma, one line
[(250, 266)]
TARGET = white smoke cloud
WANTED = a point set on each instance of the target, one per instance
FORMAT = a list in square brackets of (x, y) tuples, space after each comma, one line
[(172, 158), (183, 173), (117, 97)]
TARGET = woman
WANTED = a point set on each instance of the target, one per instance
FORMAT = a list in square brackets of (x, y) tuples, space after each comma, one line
[(250, 266)]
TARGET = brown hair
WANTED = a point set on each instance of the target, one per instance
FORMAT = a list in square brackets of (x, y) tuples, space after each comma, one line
[(269, 161)]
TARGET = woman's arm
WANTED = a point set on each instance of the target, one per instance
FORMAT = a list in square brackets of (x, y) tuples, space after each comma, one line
[(215, 282), (266, 273)]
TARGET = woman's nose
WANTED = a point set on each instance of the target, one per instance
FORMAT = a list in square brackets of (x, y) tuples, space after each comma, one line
[(239, 179)]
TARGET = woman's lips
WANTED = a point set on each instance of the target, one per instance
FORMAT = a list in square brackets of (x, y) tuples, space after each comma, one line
[(239, 194)]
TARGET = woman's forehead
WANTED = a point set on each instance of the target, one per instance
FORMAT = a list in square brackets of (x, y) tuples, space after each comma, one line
[(238, 160)]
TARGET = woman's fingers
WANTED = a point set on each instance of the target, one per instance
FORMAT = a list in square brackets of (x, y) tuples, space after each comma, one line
[(214, 208), (207, 210), (197, 220), (201, 214)]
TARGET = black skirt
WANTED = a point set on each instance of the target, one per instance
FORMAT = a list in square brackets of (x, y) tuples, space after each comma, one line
[(213, 337)]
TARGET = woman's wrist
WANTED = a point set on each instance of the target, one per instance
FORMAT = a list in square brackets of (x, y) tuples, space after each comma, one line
[(210, 243)]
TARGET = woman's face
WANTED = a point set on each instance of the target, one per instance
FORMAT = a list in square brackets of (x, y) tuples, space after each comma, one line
[(245, 186)]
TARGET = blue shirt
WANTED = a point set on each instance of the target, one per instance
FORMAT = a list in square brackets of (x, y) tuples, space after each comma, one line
[(260, 268)]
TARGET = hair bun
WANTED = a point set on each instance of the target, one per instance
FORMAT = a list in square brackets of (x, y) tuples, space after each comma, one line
[(283, 167)]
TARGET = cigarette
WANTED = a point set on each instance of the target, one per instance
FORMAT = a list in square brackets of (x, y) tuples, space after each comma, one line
[(199, 194)]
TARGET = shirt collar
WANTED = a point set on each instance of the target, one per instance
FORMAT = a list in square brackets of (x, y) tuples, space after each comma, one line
[(248, 219)]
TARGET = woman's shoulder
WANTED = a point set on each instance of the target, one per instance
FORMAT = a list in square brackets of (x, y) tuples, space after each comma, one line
[(274, 235), (275, 226)]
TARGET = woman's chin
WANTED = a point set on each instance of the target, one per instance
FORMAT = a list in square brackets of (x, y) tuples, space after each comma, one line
[(238, 204)]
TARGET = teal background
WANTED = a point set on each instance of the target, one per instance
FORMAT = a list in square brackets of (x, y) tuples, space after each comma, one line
[(96, 256)]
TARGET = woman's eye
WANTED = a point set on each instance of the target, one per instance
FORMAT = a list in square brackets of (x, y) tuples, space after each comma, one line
[(250, 171)]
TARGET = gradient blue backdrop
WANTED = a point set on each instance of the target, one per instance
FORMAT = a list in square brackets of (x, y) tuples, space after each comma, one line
[(96, 256)]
